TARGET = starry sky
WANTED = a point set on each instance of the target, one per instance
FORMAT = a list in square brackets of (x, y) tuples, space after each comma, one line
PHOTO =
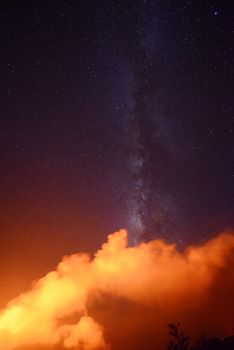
[(113, 114)]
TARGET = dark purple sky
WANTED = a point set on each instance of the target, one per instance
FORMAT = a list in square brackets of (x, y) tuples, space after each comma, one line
[(113, 114)]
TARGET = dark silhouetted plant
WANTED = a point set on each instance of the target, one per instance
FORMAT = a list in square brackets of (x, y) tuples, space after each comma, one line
[(180, 341)]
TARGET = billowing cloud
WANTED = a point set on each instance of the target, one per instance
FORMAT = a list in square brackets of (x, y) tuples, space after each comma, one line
[(124, 296)]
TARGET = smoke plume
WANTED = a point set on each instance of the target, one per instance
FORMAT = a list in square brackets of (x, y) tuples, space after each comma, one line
[(123, 297)]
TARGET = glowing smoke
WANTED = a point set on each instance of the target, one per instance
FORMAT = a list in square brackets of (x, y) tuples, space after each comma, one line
[(124, 296)]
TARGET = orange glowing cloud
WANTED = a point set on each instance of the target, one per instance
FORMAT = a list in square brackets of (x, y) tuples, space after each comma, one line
[(124, 296)]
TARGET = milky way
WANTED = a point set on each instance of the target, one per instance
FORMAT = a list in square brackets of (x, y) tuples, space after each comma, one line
[(151, 207)]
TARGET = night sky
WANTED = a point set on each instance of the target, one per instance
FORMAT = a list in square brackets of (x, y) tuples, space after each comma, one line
[(113, 114)]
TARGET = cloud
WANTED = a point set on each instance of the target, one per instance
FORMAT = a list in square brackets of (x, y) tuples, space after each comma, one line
[(124, 296)]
